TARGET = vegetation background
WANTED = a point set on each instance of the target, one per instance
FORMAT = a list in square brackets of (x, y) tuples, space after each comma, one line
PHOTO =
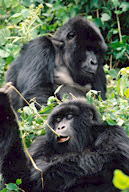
[(23, 20)]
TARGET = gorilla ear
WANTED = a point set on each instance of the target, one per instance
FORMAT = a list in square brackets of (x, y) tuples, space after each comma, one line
[(91, 115), (70, 35), (57, 43)]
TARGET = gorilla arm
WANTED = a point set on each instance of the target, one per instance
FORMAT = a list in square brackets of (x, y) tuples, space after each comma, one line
[(13, 162), (63, 77), (33, 72)]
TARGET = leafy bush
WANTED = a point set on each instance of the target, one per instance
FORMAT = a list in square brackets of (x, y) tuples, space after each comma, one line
[(115, 109), (13, 187)]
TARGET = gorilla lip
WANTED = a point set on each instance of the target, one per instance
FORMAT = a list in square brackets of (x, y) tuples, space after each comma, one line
[(62, 139), (88, 72)]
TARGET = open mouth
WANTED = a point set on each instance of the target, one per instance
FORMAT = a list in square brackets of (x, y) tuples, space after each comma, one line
[(63, 139)]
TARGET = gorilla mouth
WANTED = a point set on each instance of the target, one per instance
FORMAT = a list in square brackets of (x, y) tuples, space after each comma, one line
[(86, 71), (63, 139)]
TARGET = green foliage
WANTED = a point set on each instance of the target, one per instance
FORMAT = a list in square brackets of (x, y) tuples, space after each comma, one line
[(16, 29), (115, 109), (121, 181), (33, 121), (13, 187)]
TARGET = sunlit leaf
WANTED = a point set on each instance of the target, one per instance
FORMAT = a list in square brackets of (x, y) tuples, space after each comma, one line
[(12, 186), (126, 93), (120, 180), (105, 17), (18, 181)]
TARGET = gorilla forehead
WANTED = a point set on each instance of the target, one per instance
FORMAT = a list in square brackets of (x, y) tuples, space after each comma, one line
[(75, 107), (84, 30), (80, 25), (64, 109)]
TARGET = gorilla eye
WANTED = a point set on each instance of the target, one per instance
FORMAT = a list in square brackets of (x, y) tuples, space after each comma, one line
[(58, 119), (69, 116), (70, 35)]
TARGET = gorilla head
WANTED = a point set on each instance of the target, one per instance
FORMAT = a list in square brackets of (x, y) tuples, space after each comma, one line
[(82, 50), (73, 122)]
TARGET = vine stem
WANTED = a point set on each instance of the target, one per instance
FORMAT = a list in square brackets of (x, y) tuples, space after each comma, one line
[(32, 109), (119, 28), (26, 150)]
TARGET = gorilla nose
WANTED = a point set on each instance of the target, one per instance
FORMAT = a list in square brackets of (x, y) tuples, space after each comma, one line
[(61, 128), (93, 61)]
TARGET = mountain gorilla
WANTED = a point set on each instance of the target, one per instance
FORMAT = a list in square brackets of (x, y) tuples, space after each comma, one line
[(81, 159), (73, 57)]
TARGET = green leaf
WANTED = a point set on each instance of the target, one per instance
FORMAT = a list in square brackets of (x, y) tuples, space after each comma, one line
[(49, 5), (126, 93), (9, 59), (7, 3), (110, 122), (113, 73), (105, 17), (16, 15), (4, 33), (124, 6), (117, 12), (18, 181), (119, 55), (27, 110), (120, 180), (25, 13), (116, 3), (4, 54), (16, 18), (115, 31), (4, 190), (124, 71), (15, 3), (120, 122), (12, 186)]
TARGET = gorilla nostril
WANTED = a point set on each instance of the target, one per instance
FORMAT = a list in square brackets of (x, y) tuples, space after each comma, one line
[(93, 62), (59, 128)]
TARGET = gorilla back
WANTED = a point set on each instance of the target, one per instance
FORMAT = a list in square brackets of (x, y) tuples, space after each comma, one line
[(74, 58), (81, 159)]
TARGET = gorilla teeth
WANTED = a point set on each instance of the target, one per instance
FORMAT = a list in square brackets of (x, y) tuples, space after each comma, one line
[(63, 139)]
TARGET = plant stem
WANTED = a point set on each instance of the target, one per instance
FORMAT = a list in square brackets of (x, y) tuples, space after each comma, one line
[(119, 28)]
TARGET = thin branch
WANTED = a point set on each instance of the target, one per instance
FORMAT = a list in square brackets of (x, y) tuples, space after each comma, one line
[(33, 110), (119, 28)]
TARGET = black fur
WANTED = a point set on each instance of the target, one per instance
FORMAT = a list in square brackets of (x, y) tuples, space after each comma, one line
[(84, 163), (74, 57)]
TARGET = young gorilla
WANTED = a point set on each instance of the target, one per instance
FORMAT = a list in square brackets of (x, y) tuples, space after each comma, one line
[(82, 159), (74, 58)]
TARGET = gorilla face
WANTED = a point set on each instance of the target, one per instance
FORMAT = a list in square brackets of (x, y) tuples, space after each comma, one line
[(73, 123), (83, 49)]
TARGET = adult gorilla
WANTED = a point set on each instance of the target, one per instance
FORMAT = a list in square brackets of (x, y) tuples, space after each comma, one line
[(81, 159), (74, 58)]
